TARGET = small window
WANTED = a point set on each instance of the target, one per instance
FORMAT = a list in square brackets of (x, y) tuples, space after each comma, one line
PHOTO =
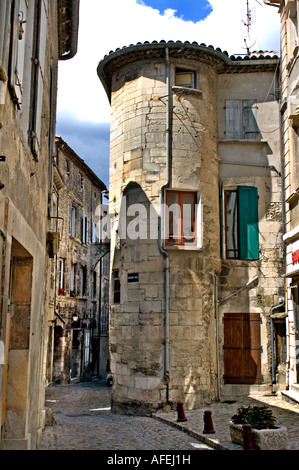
[(80, 181), (73, 292), (83, 271), (94, 285), (84, 230), (67, 166), (241, 223), (105, 266), (73, 222), (240, 120), (185, 78), (93, 233), (61, 287), (116, 288), (180, 218), (87, 347)]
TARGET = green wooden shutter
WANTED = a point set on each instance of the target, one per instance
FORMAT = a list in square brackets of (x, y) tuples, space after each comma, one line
[(248, 222)]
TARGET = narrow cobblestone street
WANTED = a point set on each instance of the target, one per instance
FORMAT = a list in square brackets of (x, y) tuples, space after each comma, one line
[(84, 422)]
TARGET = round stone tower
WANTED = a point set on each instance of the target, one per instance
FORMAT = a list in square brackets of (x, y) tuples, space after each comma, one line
[(165, 227)]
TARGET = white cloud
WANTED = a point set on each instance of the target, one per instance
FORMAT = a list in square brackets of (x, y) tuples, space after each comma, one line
[(105, 26)]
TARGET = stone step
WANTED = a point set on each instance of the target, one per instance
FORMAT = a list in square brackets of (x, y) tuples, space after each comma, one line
[(292, 395)]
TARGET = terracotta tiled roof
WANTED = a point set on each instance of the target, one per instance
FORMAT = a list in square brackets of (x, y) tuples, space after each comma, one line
[(225, 63)]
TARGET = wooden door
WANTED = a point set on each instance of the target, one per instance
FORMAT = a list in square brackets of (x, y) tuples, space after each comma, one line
[(242, 348)]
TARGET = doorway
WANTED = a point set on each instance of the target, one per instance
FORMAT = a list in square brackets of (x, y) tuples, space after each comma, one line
[(19, 311), (295, 295)]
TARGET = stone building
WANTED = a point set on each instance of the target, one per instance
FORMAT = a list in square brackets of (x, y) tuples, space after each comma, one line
[(79, 284), (289, 109), (34, 36), (195, 210)]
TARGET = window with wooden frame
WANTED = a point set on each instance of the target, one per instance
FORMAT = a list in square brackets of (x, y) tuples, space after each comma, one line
[(185, 78), (180, 218), (241, 227), (116, 288), (73, 221)]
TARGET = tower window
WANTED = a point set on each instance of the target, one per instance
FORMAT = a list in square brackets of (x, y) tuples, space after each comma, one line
[(185, 78)]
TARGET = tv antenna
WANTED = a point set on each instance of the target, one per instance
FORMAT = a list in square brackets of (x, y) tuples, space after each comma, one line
[(248, 21)]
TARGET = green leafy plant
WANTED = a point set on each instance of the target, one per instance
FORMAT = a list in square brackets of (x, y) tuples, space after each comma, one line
[(260, 417)]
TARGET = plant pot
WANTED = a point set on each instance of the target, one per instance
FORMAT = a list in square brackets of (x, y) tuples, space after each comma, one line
[(263, 439)]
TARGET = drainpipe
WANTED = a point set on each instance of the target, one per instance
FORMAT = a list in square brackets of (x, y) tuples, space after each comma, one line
[(75, 5), (161, 199), (281, 304), (217, 337)]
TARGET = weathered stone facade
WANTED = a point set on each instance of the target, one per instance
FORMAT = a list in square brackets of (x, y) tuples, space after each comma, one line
[(170, 142), (77, 297), (28, 30), (289, 109)]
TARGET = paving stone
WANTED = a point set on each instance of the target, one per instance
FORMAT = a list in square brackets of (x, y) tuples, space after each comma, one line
[(84, 421)]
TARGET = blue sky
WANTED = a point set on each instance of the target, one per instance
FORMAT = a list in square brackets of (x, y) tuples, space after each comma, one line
[(188, 10), (83, 108)]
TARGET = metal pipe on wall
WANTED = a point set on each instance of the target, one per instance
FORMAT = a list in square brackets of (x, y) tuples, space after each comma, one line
[(161, 199)]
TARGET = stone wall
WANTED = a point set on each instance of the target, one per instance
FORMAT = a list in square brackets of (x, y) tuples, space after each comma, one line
[(166, 330)]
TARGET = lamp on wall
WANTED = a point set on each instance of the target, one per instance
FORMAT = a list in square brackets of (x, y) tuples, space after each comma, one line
[(75, 317)]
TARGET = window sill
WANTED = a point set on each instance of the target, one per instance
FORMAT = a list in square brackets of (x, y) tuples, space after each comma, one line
[(241, 141), (183, 248), (180, 90), (76, 240)]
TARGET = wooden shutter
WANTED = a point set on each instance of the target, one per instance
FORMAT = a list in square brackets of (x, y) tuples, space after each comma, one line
[(233, 119), (248, 222), (250, 129), (5, 14), (17, 50), (39, 61), (242, 348), (240, 120)]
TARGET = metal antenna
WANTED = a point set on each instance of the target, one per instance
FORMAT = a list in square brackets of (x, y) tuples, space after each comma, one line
[(250, 19)]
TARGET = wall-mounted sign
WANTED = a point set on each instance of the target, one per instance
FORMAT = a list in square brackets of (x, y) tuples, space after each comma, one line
[(2, 158), (133, 277), (295, 257)]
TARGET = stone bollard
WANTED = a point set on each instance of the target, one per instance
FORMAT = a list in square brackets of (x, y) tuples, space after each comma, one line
[(181, 413), (247, 437), (208, 423)]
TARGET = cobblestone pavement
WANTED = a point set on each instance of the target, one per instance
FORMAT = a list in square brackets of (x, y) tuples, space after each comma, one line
[(287, 414), (84, 422)]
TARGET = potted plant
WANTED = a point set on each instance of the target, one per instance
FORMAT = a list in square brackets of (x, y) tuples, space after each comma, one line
[(266, 434), (61, 291)]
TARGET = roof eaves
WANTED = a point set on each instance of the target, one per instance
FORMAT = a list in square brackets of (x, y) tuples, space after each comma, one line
[(156, 49)]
